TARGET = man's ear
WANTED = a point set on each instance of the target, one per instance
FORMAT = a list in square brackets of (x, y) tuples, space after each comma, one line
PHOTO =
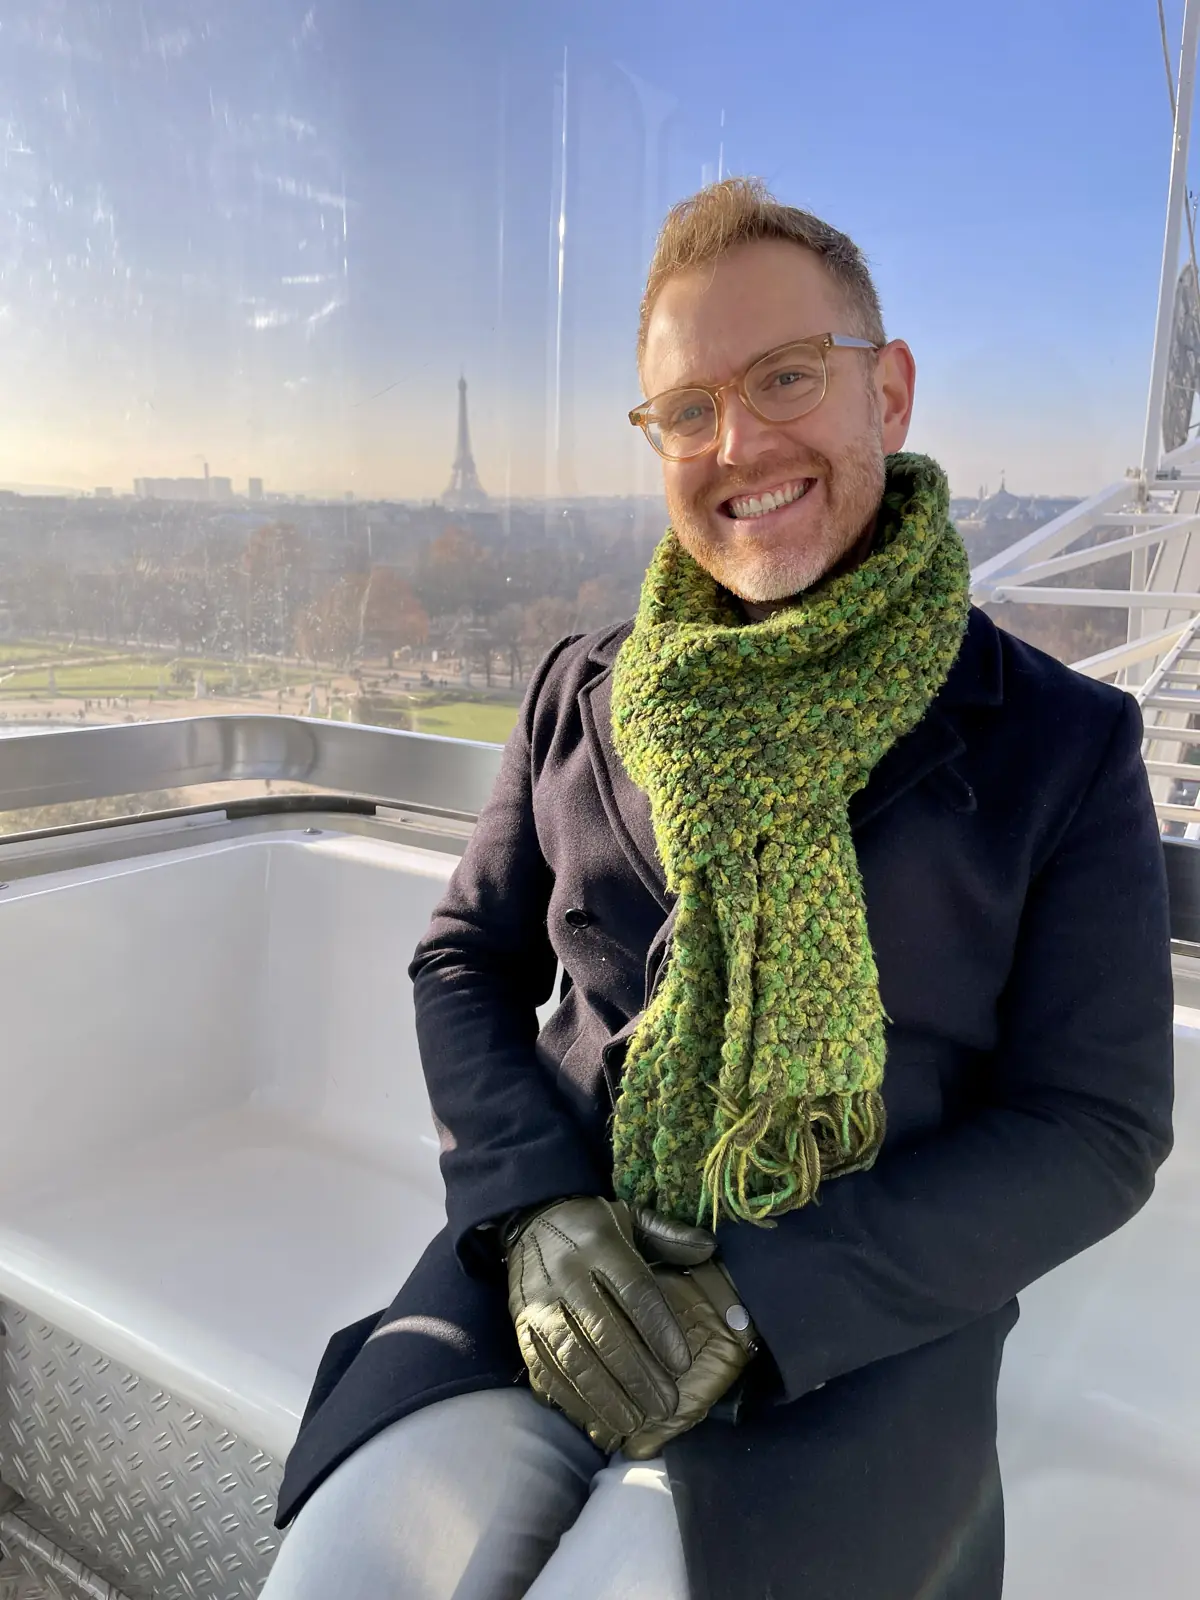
[(895, 390)]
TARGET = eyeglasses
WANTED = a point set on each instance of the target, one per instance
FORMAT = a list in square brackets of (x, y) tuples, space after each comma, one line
[(779, 387)]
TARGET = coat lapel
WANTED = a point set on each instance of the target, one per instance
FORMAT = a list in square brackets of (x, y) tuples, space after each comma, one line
[(626, 806), (934, 742), (929, 751)]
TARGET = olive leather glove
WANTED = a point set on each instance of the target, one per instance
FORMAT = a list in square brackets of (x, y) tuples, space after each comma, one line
[(722, 1341), (596, 1331)]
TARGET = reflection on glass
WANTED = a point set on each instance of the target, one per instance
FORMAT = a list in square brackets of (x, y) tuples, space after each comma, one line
[(310, 312), (317, 326)]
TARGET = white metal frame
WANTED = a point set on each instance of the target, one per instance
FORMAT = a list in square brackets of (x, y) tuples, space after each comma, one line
[(1154, 515), (421, 772)]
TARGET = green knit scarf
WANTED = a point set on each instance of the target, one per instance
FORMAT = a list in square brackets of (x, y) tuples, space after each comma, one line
[(756, 1069)]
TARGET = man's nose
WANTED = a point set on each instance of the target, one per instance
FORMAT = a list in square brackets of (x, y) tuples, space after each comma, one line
[(745, 438)]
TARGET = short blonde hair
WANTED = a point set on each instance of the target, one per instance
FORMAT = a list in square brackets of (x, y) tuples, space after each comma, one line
[(722, 216)]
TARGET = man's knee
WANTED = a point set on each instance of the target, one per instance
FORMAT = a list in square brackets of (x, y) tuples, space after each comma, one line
[(484, 1480)]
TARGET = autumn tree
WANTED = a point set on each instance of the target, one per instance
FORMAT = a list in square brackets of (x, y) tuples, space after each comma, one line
[(456, 576), (508, 638), (48, 594), (546, 621), (392, 616), (278, 569), (597, 605), (329, 628)]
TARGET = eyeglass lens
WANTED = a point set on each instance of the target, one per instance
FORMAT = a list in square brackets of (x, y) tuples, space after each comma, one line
[(780, 387)]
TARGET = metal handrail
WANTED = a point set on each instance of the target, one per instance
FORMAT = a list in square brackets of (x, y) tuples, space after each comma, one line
[(1165, 667), (412, 771), (420, 771)]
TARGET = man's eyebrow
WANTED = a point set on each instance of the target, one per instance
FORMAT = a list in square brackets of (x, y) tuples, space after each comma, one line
[(711, 383)]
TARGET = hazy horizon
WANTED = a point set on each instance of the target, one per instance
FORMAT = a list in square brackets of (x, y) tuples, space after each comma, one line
[(282, 495)]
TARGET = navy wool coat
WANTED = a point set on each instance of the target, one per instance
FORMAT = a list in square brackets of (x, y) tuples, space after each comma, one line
[(1017, 906)]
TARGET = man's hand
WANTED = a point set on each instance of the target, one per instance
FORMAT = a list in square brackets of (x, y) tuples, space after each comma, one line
[(721, 1339), (597, 1333)]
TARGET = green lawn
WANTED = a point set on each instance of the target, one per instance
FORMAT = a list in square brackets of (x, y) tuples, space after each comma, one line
[(140, 675), (467, 719), (126, 675), (13, 652)]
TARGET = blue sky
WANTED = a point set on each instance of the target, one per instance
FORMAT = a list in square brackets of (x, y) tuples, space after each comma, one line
[(270, 234)]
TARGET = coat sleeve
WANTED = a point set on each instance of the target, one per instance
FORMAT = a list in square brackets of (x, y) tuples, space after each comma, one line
[(483, 967), (1064, 1151)]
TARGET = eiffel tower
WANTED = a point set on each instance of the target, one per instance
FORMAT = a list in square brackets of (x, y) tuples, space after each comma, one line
[(465, 492)]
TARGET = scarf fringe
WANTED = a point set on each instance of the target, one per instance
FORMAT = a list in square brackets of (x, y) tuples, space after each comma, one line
[(774, 1156)]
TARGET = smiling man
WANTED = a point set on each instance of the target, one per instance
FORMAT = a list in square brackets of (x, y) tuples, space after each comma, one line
[(865, 1024), (731, 506)]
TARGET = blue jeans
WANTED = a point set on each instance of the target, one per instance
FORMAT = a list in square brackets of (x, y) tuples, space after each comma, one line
[(489, 1496)]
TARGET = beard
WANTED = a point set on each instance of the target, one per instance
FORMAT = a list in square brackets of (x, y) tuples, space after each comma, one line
[(760, 566)]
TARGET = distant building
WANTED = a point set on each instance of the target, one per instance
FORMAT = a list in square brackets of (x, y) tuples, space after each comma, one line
[(1004, 506), (255, 489), (992, 522), (201, 490), (464, 491), (103, 494)]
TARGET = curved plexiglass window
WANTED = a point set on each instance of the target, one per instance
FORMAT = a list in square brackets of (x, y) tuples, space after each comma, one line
[(317, 321)]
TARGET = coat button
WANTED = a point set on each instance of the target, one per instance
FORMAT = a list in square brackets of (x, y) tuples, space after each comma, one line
[(577, 917)]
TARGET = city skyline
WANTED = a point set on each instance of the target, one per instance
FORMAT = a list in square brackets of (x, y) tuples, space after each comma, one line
[(275, 240), (464, 491), (258, 493)]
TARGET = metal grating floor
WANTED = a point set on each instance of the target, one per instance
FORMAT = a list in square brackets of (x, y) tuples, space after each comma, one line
[(23, 1579), (123, 1478), (17, 1583), (33, 1567)]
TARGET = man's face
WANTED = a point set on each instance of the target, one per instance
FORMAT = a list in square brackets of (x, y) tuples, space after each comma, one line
[(707, 326)]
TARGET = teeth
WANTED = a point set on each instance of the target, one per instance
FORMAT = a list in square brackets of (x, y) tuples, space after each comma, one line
[(758, 505)]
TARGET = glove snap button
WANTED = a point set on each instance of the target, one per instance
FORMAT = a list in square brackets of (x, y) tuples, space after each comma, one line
[(737, 1318), (577, 917)]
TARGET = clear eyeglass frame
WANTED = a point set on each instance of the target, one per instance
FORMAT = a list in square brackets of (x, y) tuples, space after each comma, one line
[(643, 416)]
